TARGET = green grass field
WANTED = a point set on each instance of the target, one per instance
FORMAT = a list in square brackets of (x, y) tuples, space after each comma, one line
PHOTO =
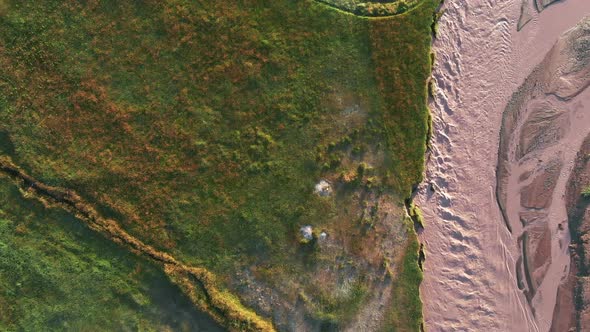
[(201, 127), (56, 275), (379, 8)]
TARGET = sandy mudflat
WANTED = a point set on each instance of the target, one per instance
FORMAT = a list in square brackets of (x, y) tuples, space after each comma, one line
[(471, 277)]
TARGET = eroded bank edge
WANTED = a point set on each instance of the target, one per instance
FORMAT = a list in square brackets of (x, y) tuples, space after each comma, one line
[(413, 211)]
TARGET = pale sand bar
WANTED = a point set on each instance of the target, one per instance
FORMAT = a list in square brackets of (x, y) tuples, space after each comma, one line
[(470, 269)]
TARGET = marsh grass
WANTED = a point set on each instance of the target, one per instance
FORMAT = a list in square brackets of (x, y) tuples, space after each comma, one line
[(56, 275), (203, 126)]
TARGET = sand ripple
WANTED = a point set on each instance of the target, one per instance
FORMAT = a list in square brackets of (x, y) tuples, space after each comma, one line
[(470, 269)]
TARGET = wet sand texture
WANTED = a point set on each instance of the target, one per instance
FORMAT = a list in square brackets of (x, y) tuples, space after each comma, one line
[(527, 9), (567, 314), (489, 268), (543, 127)]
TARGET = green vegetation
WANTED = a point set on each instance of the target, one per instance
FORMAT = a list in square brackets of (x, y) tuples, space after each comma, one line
[(407, 307), (56, 275), (415, 214), (437, 17), (373, 8), (586, 192), (334, 310), (197, 283), (201, 127)]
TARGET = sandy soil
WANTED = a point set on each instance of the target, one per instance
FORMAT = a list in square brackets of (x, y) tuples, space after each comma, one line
[(543, 128), (566, 314), (471, 278)]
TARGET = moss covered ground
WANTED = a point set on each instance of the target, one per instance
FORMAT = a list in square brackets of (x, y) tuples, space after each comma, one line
[(201, 127)]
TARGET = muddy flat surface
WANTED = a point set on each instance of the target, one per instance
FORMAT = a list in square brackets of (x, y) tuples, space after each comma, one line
[(543, 127), (472, 282)]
